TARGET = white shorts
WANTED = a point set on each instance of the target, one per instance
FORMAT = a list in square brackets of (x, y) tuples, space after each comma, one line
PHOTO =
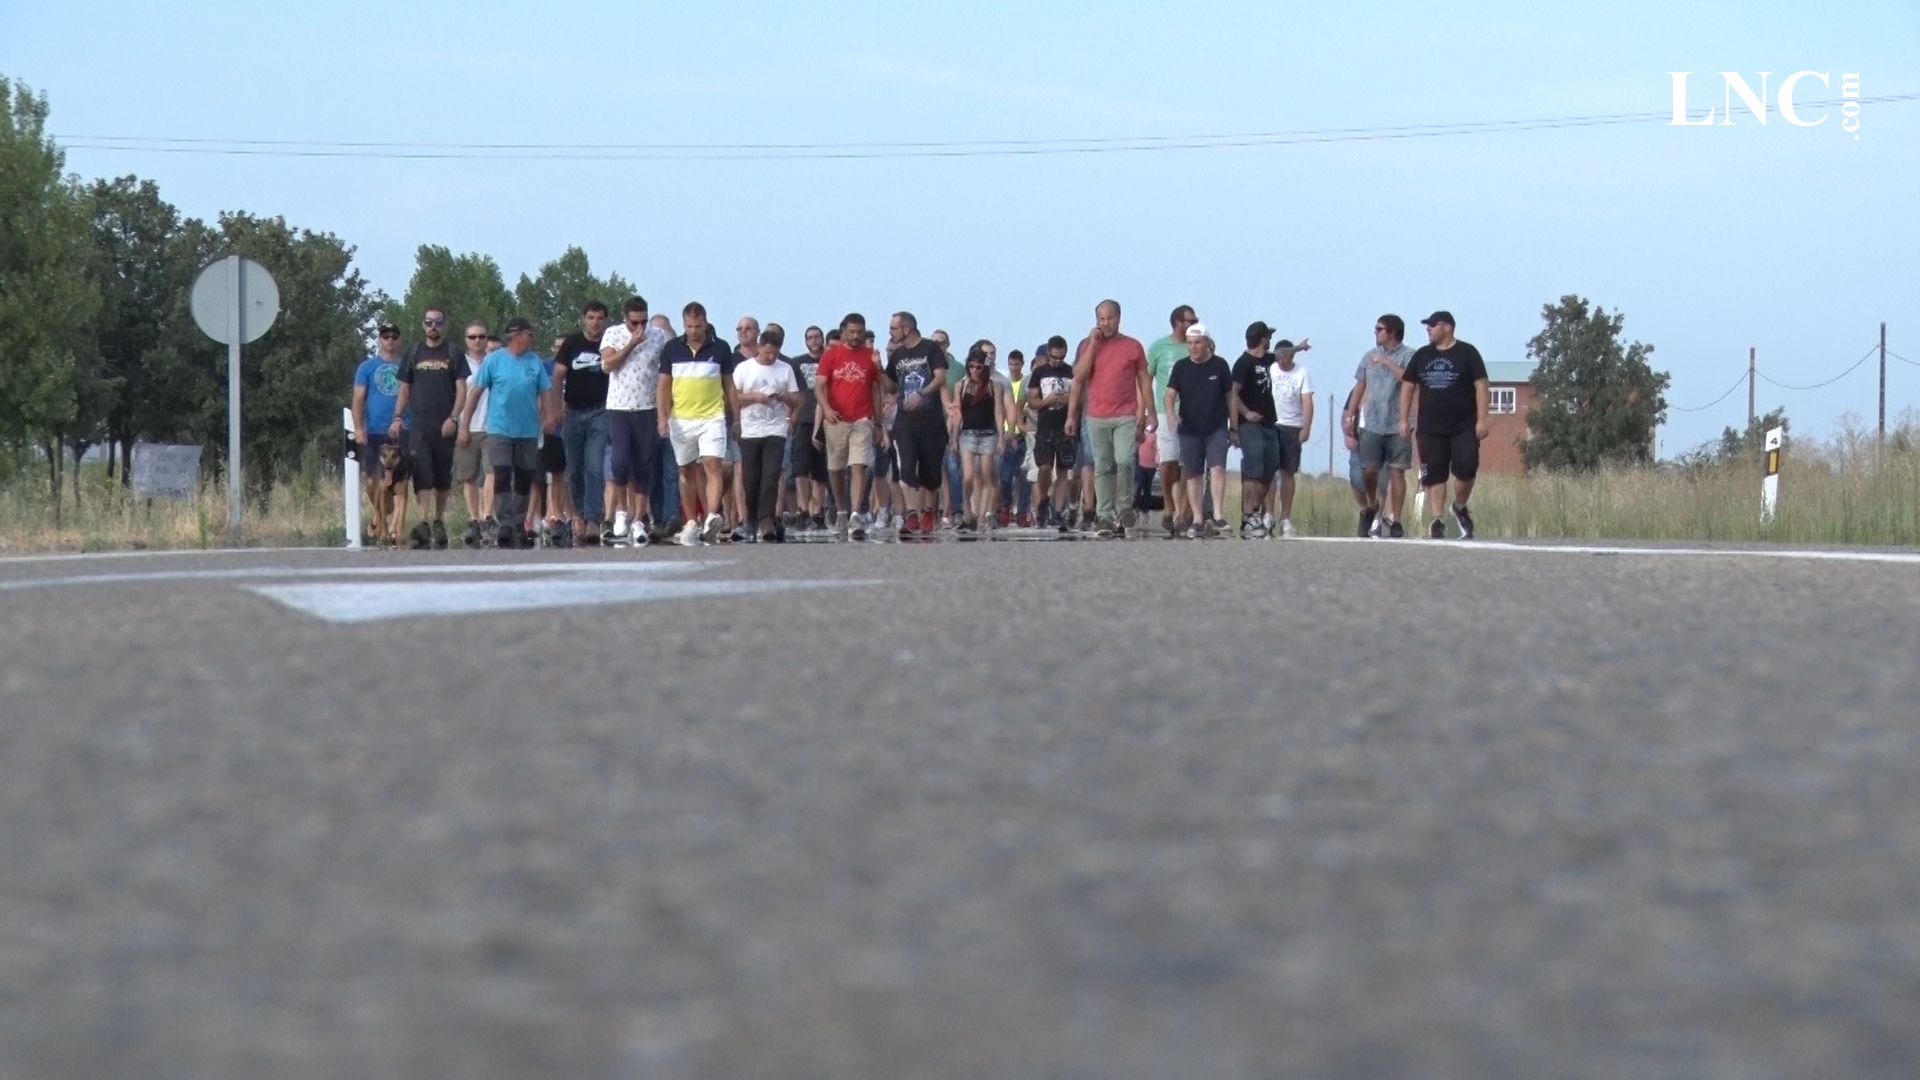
[(696, 439), (1166, 441)]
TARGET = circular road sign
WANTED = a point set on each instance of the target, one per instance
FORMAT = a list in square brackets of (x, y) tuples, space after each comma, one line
[(214, 296)]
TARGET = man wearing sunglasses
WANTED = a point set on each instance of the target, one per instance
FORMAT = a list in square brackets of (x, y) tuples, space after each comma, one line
[(433, 390), (475, 482), (376, 392)]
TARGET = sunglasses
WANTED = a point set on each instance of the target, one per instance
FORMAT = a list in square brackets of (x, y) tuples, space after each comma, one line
[(433, 322), (388, 334), (476, 337), (1379, 329)]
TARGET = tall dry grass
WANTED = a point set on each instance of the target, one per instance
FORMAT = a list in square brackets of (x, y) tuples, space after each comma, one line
[(1831, 493)]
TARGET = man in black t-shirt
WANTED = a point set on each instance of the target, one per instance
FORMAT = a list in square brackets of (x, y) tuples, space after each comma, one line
[(1451, 381), (917, 371), (1198, 395), (433, 384), (1251, 401), (808, 443), (1049, 386), (581, 384)]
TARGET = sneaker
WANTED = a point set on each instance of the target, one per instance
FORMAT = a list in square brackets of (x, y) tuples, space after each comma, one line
[(640, 534), (618, 529), (691, 535), (741, 534), (507, 536), (471, 538), (1194, 532), (606, 537), (1369, 524), (561, 535), (1439, 530), (819, 523), (858, 531), (1173, 527), (420, 537), (1286, 528), (965, 526), (1248, 527), (1395, 530), (1464, 520), (712, 529), (1266, 522), (439, 535)]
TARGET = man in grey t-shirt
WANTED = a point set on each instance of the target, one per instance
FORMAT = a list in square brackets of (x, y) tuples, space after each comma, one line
[(1375, 421)]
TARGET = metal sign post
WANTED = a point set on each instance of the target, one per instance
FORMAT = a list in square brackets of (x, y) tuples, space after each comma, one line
[(234, 302)]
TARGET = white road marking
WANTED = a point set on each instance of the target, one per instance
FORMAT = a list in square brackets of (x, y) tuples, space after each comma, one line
[(242, 573), (90, 556), (1908, 557), (359, 603)]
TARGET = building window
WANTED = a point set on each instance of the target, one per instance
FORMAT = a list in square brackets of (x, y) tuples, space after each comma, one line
[(1503, 400)]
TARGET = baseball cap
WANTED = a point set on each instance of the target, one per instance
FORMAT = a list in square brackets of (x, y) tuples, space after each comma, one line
[(514, 326), (1441, 316), (1258, 332), (386, 327), (1197, 330)]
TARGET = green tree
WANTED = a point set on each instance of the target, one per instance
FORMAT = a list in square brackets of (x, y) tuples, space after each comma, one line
[(1737, 447), (466, 287), (143, 266), (47, 303), (552, 301), (1596, 401)]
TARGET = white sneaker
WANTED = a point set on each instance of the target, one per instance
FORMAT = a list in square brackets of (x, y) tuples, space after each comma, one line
[(1286, 528), (690, 536), (710, 532), (1266, 520), (619, 524), (1378, 528)]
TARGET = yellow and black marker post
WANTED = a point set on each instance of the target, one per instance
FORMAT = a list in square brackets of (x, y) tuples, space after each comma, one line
[(1770, 487)]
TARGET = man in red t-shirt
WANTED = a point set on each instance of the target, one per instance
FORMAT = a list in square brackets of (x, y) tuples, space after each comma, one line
[(847, 386), (1111, 377)]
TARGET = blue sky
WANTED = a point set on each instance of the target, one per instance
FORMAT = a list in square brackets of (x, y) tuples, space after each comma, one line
[(1795, 241)]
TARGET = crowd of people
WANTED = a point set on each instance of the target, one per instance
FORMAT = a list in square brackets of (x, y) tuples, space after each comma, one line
[(633, 432)]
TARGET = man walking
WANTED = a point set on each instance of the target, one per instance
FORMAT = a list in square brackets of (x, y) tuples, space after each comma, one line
[(917, 370), (808, 441), (581, 382), (376, 394), (1374, 421), (515, 383), (1251, 401), (1110, 375), (694, 403), (1162, 357), (767, 392), (1014, 489), (1198, 394), (848, 393), (476, 483), (433, 390), (1451, 379), (1054, 450), (1293, 407), (630, 355)]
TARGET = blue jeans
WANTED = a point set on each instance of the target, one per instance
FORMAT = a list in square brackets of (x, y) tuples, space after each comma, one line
[(1015, 490), (585, 433), (666, 486), (956, 488)]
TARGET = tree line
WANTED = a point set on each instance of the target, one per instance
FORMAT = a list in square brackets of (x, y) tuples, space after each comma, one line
[(97, 343)]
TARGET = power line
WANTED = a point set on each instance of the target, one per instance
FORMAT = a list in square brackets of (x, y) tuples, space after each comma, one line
[(1902, 359), (1815, 386), (310, 148), (1715, 401)]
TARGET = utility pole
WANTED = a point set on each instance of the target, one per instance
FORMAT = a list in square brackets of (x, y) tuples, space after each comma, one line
[(1882, 444), (1750, 437)]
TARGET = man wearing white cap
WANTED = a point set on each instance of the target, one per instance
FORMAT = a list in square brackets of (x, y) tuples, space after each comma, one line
[(1197, 396)]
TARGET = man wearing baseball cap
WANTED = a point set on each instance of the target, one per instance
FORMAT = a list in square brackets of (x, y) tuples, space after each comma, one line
[(516, 383), (1451, 379), (1197, 398)]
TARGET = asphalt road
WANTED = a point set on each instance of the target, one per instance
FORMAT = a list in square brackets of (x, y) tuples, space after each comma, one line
[(1027, 810)]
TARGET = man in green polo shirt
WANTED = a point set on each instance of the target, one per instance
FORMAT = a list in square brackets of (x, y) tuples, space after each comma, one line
[(1162, 355)]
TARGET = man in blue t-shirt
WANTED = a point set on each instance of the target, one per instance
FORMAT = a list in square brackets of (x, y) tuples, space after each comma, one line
[(516, 382), (376, 390)]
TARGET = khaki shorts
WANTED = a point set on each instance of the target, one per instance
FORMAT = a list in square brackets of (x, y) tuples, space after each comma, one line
[(467, 460), (849, 444)]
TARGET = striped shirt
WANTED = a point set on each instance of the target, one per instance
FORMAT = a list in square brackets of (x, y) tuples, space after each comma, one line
[(697, 386)]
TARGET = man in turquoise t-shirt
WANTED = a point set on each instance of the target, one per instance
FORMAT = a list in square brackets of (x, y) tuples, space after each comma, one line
[(516, 382), (376, 391), (1162, 355)]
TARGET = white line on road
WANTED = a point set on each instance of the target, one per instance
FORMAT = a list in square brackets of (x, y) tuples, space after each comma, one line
[(243, 573), (1907, 557), (358, 603)]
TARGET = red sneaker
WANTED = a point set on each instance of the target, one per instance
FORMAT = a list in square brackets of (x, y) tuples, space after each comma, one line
[(1005, 517)]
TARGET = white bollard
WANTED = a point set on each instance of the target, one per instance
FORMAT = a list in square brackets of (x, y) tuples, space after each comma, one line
[(1770, 487), (350, 482)]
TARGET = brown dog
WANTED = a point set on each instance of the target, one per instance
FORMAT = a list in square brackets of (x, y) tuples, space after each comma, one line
[(390, 494)]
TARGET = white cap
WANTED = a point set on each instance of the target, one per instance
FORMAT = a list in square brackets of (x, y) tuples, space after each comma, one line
[(1196, 331)]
